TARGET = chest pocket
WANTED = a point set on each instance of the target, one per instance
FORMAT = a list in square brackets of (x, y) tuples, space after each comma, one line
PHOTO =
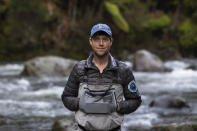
[(98, 101)]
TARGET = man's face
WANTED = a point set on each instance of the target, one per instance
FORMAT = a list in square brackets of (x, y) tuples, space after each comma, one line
[(101, 44)]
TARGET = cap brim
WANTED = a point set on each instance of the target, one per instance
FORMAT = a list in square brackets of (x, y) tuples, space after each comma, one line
[(100, 30)]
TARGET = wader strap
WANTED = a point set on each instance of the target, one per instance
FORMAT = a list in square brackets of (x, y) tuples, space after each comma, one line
[(116, 129), (115, 79), (85, 76), (81, 127)]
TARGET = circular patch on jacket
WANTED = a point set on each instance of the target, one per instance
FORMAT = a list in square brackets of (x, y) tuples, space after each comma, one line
[(132, 86)]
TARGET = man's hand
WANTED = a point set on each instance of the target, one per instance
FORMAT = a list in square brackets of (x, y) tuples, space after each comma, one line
[(118, 107)]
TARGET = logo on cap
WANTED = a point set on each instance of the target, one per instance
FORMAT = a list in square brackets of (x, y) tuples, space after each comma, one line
[(100, 26)]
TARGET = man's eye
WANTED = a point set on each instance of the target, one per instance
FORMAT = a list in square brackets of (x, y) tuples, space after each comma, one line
[(96, 39), (105, 39)]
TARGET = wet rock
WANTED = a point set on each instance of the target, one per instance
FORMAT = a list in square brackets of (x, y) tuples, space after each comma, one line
[(48, 66), (192, 67), (170, 54), (127, 56), (146, 61), (167, 101), (65, 125), (192, 63), (176, 127)]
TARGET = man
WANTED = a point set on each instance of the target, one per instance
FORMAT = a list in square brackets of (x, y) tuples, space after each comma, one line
[(101, 89)]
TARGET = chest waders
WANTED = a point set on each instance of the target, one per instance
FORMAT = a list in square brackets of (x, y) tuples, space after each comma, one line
[(98, 106)]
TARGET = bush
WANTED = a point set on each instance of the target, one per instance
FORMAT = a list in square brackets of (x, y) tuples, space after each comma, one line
[(188, 33), (157, 23)]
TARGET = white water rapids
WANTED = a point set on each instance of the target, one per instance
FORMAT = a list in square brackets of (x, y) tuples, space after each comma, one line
[(32, 103)]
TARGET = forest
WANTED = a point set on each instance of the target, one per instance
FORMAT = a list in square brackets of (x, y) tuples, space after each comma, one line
[(30, 28)]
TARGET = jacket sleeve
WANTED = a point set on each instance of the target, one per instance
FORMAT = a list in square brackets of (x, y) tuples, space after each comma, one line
[(132, 99), (70, 93)]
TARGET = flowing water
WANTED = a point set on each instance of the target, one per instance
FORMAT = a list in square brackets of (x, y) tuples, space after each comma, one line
[(34, 103)]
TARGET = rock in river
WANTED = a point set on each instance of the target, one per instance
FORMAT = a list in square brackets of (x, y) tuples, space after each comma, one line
[(167, 101), (48, 66), (176, 127), (146, 61), (65, 125)]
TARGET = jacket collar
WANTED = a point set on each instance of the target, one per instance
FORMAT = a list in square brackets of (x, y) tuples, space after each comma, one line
[(111, 63)]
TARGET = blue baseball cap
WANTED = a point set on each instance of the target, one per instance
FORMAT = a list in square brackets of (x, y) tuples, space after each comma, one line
[(101, 27)]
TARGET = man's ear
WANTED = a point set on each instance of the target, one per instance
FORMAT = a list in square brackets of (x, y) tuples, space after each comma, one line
[(112, 41), (90, 41)]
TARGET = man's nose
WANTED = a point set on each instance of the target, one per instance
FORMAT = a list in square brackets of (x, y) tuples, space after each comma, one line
[(101, 42)]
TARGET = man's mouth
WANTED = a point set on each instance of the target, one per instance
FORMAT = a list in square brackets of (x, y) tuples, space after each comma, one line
[(100, 48)]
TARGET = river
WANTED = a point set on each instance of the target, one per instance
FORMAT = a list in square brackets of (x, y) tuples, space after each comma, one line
[(34, 103)]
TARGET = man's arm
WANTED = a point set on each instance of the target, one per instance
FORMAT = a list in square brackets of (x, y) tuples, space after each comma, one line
[(131, 94), (70, 93)]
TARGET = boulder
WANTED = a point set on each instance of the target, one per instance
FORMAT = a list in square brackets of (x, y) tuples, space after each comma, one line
[(65, 125), (48, 66), (192, 67), (167, 101), (146, 61), (169, 54), (126, 56), (192, 63)]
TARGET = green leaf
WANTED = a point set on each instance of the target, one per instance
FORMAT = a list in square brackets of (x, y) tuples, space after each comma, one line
[(188, 34), (157, 23), (118, 19), (186, 26)]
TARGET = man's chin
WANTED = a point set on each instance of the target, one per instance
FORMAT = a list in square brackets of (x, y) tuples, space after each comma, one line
[(101, 54)]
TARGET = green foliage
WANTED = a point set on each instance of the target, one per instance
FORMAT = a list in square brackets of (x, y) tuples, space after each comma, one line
[(117, 16), (157, 23), (24, 25), (38, 27), (124, 3), (3, 7), (188, 34), (190, 4), (191, 8)]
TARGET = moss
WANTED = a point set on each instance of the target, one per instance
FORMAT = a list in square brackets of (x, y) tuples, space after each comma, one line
[(117, 16), (188, 33), (157, 23)]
